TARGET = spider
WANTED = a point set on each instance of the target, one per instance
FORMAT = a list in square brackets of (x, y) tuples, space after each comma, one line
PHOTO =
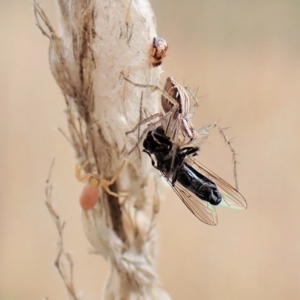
[(175, 115), (90, 193)]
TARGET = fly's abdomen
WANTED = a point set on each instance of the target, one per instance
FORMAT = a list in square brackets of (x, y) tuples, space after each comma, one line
[(198, 184)]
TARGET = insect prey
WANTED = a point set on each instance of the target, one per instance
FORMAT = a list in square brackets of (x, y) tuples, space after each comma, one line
[(195, 185)]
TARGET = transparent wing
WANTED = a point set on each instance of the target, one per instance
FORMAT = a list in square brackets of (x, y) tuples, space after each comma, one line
[(203, 210), (230, 196)]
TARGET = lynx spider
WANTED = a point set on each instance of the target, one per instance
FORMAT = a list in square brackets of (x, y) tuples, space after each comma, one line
[(175, 117), (176, 106)]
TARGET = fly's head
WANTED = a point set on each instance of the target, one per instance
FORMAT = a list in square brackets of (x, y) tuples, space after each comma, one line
[(157, 142)]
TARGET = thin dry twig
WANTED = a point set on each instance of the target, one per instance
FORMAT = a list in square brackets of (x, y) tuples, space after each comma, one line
[(62, 255), (39, 14)]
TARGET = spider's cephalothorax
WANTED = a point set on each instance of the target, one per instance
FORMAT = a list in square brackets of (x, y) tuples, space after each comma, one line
[(178, 125)]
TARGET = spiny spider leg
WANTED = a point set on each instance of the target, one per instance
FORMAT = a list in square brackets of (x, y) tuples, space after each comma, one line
[(143, 122), (151, 126), (154, 88), (204, 131), (194, 94)]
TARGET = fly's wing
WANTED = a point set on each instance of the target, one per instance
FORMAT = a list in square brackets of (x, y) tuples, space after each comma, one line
[(230, 196), (203, 210)]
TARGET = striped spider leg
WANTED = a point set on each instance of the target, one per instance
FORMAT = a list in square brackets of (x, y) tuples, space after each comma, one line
[(203, 133), (90, 193)]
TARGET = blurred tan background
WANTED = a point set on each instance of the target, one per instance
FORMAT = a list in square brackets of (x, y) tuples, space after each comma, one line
[(244, 56)]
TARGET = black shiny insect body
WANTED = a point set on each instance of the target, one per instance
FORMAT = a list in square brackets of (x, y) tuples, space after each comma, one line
[(200, 193), (159, 145), (198, 184)]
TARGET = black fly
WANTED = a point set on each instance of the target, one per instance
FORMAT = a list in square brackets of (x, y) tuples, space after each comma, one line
[(195, 185)]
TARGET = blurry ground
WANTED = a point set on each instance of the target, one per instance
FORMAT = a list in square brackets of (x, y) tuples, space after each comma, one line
[(244, 56)]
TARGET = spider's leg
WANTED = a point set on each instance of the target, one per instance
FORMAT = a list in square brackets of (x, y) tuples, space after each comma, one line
[(78, 172), (115, 177), (149, 128), (204, 131), (143, 122)]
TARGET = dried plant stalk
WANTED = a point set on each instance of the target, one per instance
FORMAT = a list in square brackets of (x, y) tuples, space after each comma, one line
[(63, 261), (97, 41)]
